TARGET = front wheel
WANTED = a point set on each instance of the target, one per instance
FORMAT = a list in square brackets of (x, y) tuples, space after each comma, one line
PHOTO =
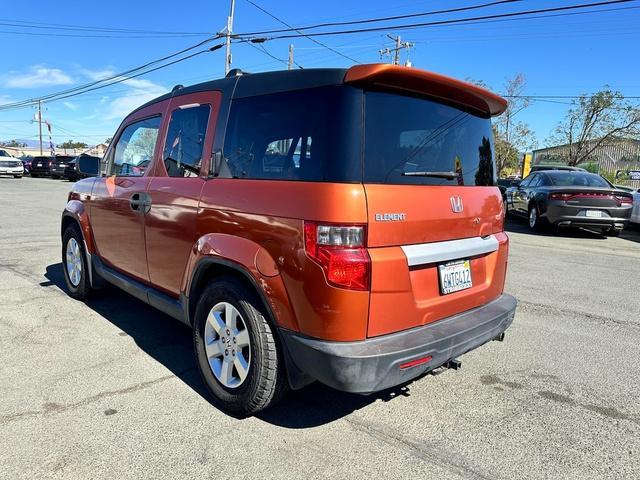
[(236, 349), (74, 263)]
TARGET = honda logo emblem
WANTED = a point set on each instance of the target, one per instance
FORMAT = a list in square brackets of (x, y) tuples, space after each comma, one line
[(456, 204)]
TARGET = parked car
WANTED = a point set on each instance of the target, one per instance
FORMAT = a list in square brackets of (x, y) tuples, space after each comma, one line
[(72, 173), (26, 163), (10, 165), (378, 254), (59, 165), (47, 166), (541, 168), (635, 213), (570, 198)]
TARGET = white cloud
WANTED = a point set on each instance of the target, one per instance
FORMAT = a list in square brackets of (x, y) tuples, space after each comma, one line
[(141, 91), (70, 106), (36, 76)]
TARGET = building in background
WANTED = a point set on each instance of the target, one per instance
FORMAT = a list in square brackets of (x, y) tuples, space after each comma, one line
[(615, 160)]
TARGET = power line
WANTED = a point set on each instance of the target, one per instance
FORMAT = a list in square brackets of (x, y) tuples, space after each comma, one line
[(85, 28), (116, 78), (299, 30), (74, 35), (479, 19), (383, 19)]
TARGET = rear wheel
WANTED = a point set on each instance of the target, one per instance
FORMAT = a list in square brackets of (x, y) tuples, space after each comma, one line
[(74, 263), (236, 349)]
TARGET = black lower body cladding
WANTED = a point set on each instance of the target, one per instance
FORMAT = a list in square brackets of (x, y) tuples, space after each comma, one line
[(374, 364)]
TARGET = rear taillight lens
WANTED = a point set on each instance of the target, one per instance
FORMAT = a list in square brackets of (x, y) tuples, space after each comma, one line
[(341, 252), (50, 163), (624, 200), (560, 196)]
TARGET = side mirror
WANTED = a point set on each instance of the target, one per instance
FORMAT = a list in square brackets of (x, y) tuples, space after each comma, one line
[(88, 166)]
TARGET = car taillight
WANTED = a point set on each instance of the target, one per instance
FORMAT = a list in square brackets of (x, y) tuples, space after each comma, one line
[(50, 163), (623, 200), (560, 196), (340, 251)]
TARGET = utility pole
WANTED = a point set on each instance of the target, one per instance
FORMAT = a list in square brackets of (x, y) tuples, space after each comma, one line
[(227, 58), (40, 124), (290, 65), (395, 51)]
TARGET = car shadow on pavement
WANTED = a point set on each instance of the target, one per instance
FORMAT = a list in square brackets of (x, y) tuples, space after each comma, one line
[(631, 233), (517, 226), (170, 343)]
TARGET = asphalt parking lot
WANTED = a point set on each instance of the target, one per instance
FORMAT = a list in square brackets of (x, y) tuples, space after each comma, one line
[(110, 389)]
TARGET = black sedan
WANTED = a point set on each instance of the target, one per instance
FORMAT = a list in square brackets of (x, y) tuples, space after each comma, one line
[(72, 173), (570, 199), (49, 166)]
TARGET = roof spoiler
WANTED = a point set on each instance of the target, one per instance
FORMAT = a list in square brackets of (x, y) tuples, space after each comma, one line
[(427, 83)]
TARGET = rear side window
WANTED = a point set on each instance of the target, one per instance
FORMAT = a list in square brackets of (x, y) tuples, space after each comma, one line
[(185, 140), (305, 135), (133, 152), (407, 138)]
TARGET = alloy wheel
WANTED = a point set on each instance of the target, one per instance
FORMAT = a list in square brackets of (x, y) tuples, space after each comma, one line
[(74, 262), (533, 217), (227, 345)]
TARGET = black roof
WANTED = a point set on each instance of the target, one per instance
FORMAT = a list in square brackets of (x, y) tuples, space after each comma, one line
[(251, 84)]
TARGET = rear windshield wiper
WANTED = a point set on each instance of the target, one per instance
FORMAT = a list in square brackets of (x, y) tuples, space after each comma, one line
[(447, 175)]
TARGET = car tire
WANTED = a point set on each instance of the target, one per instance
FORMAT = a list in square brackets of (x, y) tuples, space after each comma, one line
[(612, 232), (17, 176), (74, 263), (33, 175), (535, 222), (222, 351)]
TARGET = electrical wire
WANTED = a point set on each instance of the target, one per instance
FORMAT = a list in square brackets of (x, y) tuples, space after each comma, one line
[(317, 42), (459, 21), (119, 77)]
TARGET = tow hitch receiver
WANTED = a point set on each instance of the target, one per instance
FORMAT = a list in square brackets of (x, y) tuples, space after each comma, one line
[(453, 364)]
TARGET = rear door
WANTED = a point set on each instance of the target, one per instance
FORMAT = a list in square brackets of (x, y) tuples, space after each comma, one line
[(119, 199), (175, 187), (434, 212)]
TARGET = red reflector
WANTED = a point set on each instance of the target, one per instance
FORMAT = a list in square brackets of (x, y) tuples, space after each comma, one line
[(415, 363)]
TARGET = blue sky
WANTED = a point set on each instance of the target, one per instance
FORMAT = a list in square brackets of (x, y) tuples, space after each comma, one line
[(565, 55)]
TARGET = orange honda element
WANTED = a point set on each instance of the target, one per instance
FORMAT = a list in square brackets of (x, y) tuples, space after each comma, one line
[(338, 225)]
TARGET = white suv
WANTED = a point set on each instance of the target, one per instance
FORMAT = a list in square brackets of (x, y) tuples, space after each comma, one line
[(10, 165)]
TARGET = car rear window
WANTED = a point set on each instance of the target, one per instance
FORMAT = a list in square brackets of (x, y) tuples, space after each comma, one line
[(407, 136), (576, 179), (305, 135)]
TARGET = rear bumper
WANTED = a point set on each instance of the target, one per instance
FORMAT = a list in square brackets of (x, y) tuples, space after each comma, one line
[(573, 216), (374, 364)]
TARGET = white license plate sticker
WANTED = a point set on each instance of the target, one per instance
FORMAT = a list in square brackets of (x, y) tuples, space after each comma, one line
[(593, 213), (455, 276)]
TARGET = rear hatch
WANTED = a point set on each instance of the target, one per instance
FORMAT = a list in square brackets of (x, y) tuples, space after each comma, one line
[(435, 230)]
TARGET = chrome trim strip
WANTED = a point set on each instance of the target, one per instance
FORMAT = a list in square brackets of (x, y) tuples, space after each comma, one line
[(450, 250)]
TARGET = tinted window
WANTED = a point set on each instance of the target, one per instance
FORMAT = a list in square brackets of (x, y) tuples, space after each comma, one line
[(134, 151), (3, 153), (527, 181), (535, 181), (309, 135), (405, 136), (577, 179), (185, 140)]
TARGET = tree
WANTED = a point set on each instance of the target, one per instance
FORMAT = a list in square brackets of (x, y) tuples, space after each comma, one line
[(13, 143), (107, 141), (594, 121), (73, 144), (510, 136)]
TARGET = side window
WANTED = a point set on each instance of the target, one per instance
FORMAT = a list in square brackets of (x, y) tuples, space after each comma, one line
[(134, 150), (535, 182), (296, 135), (185, 140), (544, 181), (527, 181)]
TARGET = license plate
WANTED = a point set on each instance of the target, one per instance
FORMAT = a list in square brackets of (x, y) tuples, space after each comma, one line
[(593, 213), (455, 276)]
